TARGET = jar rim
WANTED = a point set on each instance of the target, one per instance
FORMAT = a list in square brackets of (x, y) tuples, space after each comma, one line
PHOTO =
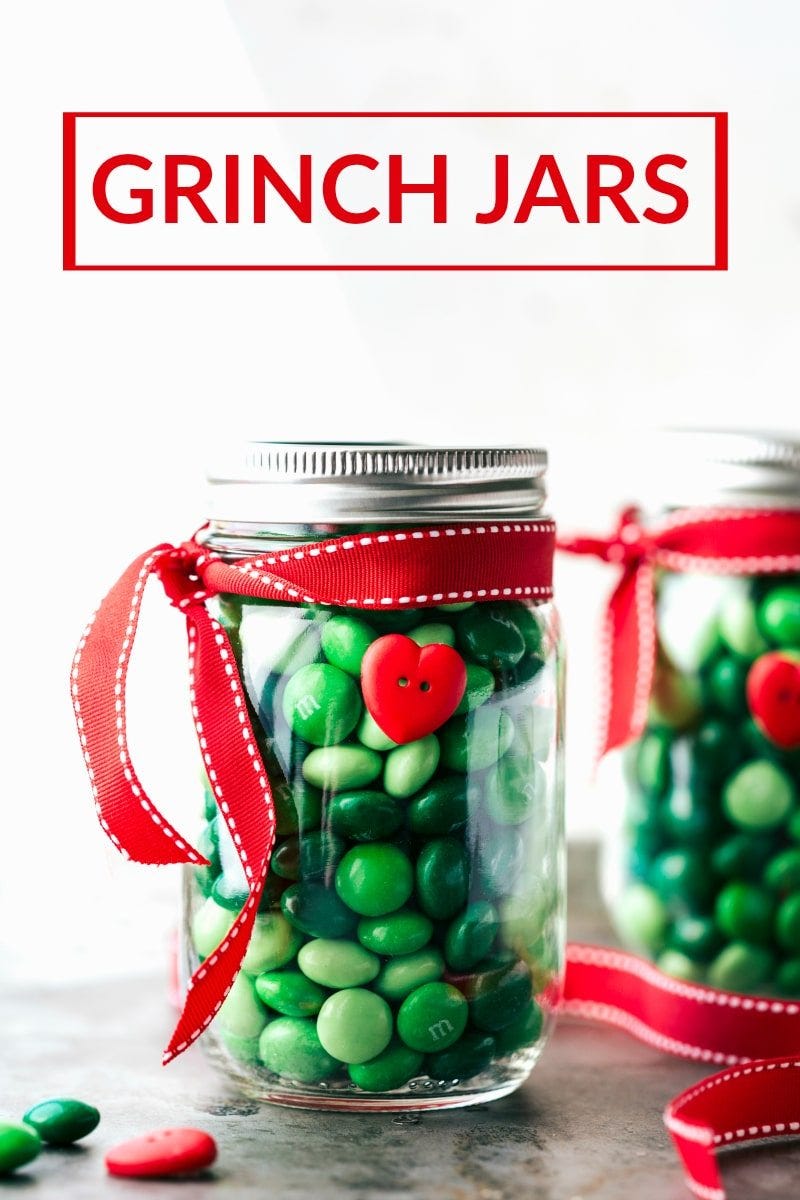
[(717, 467), (391, 482)]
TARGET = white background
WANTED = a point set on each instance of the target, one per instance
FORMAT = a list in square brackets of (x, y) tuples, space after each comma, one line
[(115, 384)]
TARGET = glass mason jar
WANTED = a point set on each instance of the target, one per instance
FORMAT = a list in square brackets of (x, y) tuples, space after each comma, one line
[(702, 873), (408, 951)]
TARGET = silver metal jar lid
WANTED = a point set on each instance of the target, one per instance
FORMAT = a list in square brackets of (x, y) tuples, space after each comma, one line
[(329, 483), (717, 467)]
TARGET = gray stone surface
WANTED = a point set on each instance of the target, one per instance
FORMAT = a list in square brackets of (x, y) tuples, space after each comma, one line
[(586, 1126)]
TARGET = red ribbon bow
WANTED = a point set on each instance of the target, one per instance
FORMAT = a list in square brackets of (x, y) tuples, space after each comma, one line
[(714, 541)]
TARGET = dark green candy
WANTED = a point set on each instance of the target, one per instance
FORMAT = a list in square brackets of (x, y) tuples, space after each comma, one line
[(392, 1068), (320, 854), (229, 893), (696, 937), (783, 872), (742, 856), (715, 751), (470, 936), (691, 815), (499, 1006), (480, 686), (61, 1121), (726, 686), (285, 860), (683, 877), (788, 977), (442, 878), (364, 816), (298, 807), (290, 993), (491, 635), (522, 1032), (440, 808), (466, 1058), (787, 923), (316, 910), (745, 913), (653, 768), (476, 741)]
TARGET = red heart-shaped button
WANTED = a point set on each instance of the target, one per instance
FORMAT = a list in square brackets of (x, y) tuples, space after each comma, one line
[(410, 690), (773, 695)]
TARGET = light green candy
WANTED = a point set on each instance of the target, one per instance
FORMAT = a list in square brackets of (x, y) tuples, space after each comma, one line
[(476, 741), (641, 918), (460, 606), (737, 622), (679, 966), (370, 734), (345, 641), (409, 767), (336, 963), (209, 925), (242, 1015), (409, 971), (274, 943), (435, 633), (759, 796), (290, 1047), (355, 1025), (339, 767)]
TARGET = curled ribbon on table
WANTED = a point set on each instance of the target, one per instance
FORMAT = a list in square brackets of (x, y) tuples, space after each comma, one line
[(422, 568)]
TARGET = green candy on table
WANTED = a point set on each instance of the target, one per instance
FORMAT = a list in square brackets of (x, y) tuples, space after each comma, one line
[(695, 937), (273, 943), (743, 855), (19, 1144), (522, 1033), (726, 685), (442, 875), (440, 809), (679, 966), (374, 879), (405, 972), (336, 768), (779, 616), (514, 789), (62, 1121), (434, 633), (364, 816), (782, 873), (496, 1007), (759, 796), (467, 1057), (345, 641), (641, 917), (390, 1069), (738, 626), (491, 635), (470, 936), (741, 967), (787, 923), (370, 734), (315, 909), (653, 765), (242, 1015), (290, 1047), (396, 933), (408, 768), (682, 877), (321, 704), (355, 1025), (745, 912), (297, 808), (337, 963), (290, 993), (320, 854), (480, 687), (209, 925), (476, 741), (433, 1017)]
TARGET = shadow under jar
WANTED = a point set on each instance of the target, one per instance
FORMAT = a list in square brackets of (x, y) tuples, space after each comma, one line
[(703, 873), (412, 922)]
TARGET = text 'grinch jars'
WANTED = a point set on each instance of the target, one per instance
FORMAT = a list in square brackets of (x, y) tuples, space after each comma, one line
[(705, 875), (407, 951)]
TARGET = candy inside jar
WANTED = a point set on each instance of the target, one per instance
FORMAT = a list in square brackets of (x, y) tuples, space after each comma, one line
[(408, 949)]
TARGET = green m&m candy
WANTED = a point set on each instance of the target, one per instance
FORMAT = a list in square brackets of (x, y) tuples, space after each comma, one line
[(745, 913), (779, 616), (490, 635), (338, 963), (466, 1058), (741, 967), (400, 932), (19, 1144), (434, 633), (406, 972), (480, 686), (374, 879), (738, 626), (336, 768), (364, 815), (440, 809), (496, 1007), (695, 937), (409, 767), (355, 1025), (787, 923), (433, 1017), (273, 943), (759, 796), (345, 641), (641, 917), (521, 1033), (726, 685), (314, 908), (470, 936), (390, 1069), (62, 1122), (442, 878), (679, 966), (370, 734), (290, 993), (514, 789), (782, 873), (290, 1046), (242, 1015), (477, 740), (321, 704), (682, 877)]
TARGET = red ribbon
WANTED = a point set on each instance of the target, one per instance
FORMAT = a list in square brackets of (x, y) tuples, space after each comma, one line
[(393, 570), (715, 541)]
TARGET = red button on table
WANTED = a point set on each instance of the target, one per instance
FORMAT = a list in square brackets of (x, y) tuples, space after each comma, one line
[(163, 1152)]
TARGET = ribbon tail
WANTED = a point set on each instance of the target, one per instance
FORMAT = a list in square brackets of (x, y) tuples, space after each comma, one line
[(629, 650), (99, 673), (743, 1104), (244, 798)]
